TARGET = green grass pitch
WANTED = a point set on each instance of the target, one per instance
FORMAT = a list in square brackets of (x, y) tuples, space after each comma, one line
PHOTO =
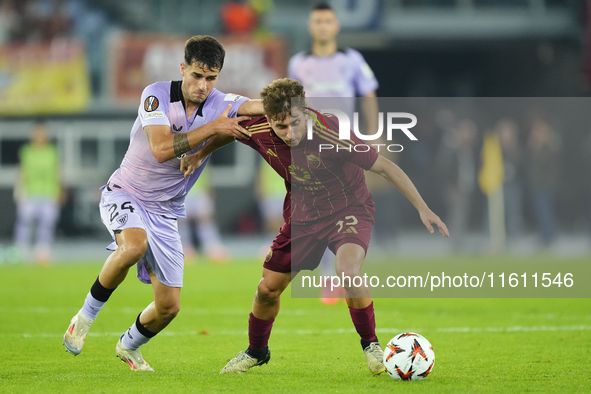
[(481, 345)]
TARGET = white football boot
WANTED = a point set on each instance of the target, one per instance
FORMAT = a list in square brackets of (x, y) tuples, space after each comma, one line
[(375, 358), (133, 358), (75, 335), (243, 362)]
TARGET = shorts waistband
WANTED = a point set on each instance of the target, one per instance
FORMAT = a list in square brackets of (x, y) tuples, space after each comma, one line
[(115, 186)]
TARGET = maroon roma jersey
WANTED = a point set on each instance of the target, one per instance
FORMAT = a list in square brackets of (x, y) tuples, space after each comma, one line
[(319, 182)]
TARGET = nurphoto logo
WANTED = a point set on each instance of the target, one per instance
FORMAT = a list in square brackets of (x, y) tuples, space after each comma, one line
[(345, 129)]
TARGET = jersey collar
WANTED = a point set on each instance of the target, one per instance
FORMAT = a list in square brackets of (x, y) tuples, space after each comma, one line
[(176, 94), (309, 52)]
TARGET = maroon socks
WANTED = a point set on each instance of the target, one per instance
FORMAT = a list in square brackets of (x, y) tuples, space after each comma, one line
[(364, 319), (259, 331), (365, 323)]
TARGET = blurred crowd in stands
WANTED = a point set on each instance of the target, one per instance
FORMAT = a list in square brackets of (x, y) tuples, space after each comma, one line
[(35, 20)]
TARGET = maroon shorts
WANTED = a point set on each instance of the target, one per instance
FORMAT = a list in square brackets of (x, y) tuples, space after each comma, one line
[(300, 247)]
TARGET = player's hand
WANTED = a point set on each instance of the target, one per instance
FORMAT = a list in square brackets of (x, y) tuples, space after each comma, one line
[(429, 219), (190, 163), (231, 126)]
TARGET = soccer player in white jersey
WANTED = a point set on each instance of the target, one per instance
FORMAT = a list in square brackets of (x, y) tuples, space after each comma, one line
[(143, 198), (327, 70)]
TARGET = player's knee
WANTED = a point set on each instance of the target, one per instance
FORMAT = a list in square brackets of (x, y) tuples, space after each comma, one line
[(267, 294), (133, 250), (348, 270), (169, 311), (173, 311)]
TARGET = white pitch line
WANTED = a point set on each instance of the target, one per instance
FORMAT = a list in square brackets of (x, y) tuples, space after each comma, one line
[(331, 331), (28, 310)]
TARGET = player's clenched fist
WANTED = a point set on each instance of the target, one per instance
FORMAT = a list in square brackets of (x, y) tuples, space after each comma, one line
[(230, 126), (190, 163)]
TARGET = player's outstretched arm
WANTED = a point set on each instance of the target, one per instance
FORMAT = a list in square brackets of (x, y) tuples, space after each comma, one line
[(190, 163), (166, 146), (402, 182), (251, 108)]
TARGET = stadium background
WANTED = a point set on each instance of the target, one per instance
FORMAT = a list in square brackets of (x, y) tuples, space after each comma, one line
[(82, 65)]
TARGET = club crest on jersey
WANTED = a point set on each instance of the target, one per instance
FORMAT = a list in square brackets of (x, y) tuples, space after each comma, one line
[(122, 219), (314, 161), (151, 103)]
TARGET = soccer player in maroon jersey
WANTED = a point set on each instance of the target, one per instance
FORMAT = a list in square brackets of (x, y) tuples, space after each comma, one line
[(327, 205)]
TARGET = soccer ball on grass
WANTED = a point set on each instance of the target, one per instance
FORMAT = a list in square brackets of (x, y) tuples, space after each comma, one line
[(409, 356)]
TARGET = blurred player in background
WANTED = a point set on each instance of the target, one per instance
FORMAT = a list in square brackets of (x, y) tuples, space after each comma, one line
[(200, 216), (508, 132), (456, 163), (543, 173), (326, 70), (327, 205), (144, 197), (37, 194)]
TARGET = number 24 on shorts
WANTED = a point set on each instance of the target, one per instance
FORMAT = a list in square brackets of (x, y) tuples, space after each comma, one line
[(114, 212)]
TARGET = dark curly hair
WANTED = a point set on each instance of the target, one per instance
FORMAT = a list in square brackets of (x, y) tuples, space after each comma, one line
[(279, 95), (205, 50)]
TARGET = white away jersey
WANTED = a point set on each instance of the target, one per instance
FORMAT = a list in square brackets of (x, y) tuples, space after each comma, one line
[(161, 187)]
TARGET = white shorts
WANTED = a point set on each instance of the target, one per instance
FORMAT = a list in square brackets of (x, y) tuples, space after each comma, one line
[(164, 255)]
